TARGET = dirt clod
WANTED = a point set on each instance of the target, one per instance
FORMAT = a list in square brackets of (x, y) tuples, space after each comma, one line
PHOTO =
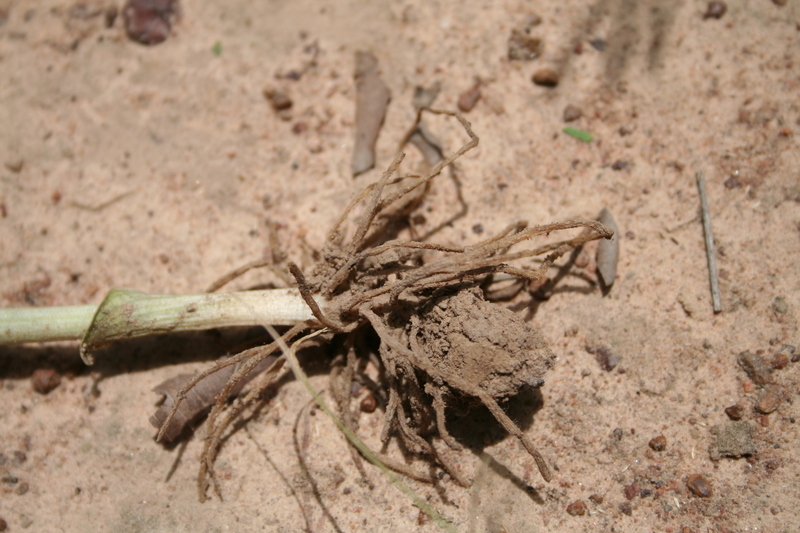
[(523, 47), (484, 343), (732, 439)]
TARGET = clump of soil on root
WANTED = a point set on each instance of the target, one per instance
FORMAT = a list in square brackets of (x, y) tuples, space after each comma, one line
[(439, 337)]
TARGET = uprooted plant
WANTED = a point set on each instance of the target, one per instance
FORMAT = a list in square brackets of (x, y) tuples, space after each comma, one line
[(440, 338)]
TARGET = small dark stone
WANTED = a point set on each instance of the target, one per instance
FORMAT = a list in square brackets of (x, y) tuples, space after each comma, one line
[(755, 367), (576, 508), (572, 113), (620, 164), (477, 229), (522, 47), (780, 2), (699, 486), (22, 488), (607, 360), (546, 77), (596, 499), (626, 508), (780, 306), (469, 98), (734, 412), (3, 525), (19, 457), (599, 44), (369, 403), (149, 22), (45, 380), (658, 444), (631, 491), (279, 100), (732, 182), (715, 10)]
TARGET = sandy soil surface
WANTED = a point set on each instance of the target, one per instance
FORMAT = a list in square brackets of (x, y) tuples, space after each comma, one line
[(157, 168)]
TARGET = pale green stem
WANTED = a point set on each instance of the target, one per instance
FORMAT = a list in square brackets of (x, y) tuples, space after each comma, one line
[(126, 314)]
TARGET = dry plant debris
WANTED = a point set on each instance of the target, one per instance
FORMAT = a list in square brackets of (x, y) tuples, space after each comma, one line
[(440, 339), (372, 99)]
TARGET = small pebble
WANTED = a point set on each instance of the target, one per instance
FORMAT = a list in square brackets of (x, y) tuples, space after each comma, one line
[(755, 367), (732, 182), (605, 358), (658, 444), (626, 508), (780, 306), (620, 164), (734, 412), (572, 113), (699, 486), (780, 2), (45, 380), (279, 100), (522, 47), (599, 44), (546, 77), (631, 491), (768, 401), (469, 98), (576, 508), (3, 525), (715, 10), (780, 361), (369, 403), (15, 166), (22, 488), (149, 22)]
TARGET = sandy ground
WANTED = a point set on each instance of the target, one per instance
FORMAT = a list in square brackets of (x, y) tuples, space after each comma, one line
[(156, 168)]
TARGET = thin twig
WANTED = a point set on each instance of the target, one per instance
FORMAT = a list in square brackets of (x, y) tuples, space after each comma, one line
[(709, 237)]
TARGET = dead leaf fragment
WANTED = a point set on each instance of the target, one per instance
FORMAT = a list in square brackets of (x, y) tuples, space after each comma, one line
[(372, 99)]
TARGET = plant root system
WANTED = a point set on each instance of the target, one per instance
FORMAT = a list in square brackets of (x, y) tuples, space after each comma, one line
[(440, 338)]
